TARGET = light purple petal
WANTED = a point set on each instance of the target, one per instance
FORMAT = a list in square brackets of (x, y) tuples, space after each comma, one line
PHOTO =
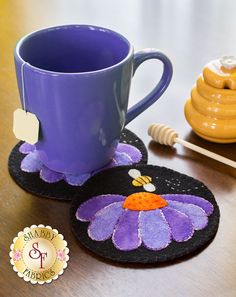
[(77, 180), (131, 151), (122, 159), (31, 163), (104, 221), (154, 230), (199, 201), (26, 148), (88, 209), (126, 235), (50, 176), (196, 214), (180, 224)]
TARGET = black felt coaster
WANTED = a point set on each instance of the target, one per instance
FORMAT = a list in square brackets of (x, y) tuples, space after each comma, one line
[(32, 183), (166, 181)]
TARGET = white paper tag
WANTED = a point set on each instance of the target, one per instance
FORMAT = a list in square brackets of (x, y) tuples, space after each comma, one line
[(25, 126)]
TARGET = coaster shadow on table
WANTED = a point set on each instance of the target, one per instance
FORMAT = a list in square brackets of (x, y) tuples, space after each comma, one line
[(60, 190), (116, 216)]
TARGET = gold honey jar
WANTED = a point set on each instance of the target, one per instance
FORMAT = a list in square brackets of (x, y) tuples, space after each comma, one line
[(211, 109)]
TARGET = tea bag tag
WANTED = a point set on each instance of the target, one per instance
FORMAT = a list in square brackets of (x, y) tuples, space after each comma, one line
[(25, 126)]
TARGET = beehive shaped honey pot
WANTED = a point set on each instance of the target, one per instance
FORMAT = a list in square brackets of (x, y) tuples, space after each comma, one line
[(211, 109)]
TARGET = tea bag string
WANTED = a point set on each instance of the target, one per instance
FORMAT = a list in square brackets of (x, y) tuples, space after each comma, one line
[(23, 84)]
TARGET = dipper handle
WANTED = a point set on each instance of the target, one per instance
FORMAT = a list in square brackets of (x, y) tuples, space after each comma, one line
[(167, 136)]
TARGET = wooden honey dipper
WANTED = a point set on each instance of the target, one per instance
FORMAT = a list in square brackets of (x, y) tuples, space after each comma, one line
[(167, 136)]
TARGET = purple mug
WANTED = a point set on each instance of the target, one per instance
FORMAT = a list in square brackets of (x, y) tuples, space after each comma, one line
[(77, 81)]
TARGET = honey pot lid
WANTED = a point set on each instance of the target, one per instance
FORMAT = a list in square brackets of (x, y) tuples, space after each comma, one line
[(221, 73)]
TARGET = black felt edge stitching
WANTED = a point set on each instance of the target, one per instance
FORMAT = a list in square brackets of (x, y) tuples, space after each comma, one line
[(185, 250)]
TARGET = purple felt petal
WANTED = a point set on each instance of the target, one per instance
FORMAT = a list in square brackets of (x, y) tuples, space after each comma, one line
[(31, 162), (180, 224), (49, 175), (26, 148), (131, 151), (88, 209), (77, 180), (126, 235), (154, 230), (104, 221), (196, 214), (122, 159), (201, 202)]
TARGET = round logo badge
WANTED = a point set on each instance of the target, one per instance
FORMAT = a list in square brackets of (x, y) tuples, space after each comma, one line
[(39, 254)]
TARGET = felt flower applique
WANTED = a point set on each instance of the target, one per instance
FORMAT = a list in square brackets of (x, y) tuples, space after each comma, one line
[(125, 154), (17, 255), (143, 218)]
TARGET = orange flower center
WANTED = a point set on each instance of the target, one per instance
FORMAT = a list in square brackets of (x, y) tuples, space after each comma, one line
[(144, 201)]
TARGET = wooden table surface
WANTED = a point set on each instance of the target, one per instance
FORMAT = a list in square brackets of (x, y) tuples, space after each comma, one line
[(191, 33)]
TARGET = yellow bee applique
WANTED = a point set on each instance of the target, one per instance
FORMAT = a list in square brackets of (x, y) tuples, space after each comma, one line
[(141, 180)]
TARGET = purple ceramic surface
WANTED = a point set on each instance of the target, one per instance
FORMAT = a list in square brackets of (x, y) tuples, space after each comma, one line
[(77, 81)]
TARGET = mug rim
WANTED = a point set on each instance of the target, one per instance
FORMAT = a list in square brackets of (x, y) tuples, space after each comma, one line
[(54, 73)]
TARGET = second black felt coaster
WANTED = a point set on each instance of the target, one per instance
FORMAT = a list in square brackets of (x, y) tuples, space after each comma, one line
[(62, 190), (144, 214)]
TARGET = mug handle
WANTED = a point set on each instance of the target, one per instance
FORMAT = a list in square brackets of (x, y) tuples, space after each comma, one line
[(160, 88)]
